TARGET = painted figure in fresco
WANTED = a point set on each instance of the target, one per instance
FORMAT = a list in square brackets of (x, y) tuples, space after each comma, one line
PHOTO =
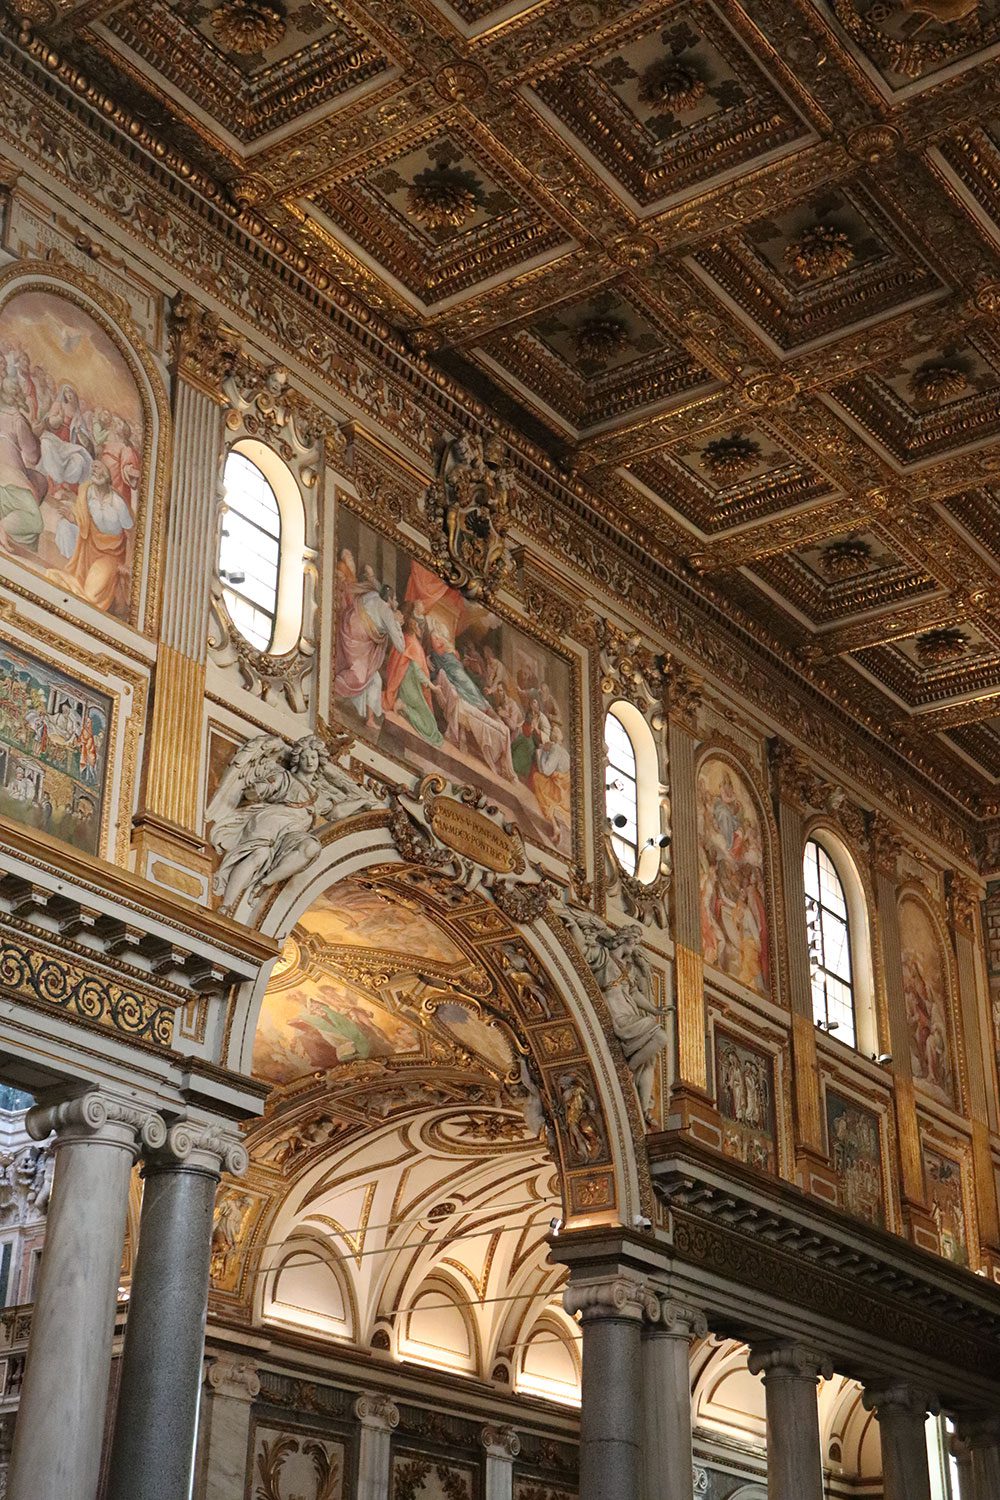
[(21, 487), (731, 880), (267, 805), (925, 1009), (944, 1179), (550, 782), (854, 1149), (744, 1087), (617, 962), (408, 687), (369, 624), (97, 541)]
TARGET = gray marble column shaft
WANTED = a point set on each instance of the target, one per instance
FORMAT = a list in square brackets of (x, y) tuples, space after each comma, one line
[(794, 1461), (666, 1398), (156, 1423), (611, 1404), (902, 1420), (60, 1422), (981, 1440), (377, 1416)]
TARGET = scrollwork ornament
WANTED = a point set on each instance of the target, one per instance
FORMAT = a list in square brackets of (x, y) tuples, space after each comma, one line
[(204, 348), (468, 508)]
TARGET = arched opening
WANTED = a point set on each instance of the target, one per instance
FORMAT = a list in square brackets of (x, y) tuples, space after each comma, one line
[(839, 934), (631, 791), (261, 547)]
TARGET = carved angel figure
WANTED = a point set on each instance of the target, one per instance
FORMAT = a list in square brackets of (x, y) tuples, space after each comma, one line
[(471, 501), (617, 962), (268, 808)]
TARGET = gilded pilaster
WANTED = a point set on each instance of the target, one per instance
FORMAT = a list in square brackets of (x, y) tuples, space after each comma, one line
[(681, 703), (964, 898), (169, 848), (885, 859)]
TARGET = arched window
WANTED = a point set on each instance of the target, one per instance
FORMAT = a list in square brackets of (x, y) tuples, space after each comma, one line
[(621, 796), (828, 927), (632, 792), (250, 550)]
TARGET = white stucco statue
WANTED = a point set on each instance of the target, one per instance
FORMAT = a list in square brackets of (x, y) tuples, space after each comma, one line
[(617, 962), (270, 805)]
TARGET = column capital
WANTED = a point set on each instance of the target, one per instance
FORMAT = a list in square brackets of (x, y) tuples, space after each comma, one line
[(204, 1148), (229, 1375), (676, 1319), (897, 1397), (500, 1442), (784, 1361), (376, 1411), (978, 1431), (616, 1296), (96, 1116)]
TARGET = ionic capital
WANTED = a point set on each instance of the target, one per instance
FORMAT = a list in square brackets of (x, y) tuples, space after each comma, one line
[(896, 1398), (200, 1148), (978, 1432), (500, 1442), (99, 1118), (375, 1411), (229, 1376), (619, 1296), (677, 1320), (789, 1362)]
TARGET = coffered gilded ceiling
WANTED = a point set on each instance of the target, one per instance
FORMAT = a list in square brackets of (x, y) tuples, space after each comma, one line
[(734, 268)]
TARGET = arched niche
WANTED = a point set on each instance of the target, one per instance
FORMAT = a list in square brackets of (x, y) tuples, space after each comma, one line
[(548, 1362), (309, 1288), (647, 788), (929, 990), (544, 989), (740, 933), (860, 898), (84, 527)]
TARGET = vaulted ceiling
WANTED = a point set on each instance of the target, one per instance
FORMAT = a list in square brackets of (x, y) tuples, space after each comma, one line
[(736, 267)]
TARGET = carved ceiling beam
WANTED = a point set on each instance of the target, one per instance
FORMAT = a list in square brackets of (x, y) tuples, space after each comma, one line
[(891, 626)]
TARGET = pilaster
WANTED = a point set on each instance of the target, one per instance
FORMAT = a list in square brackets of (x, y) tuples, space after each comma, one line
[(168, 843), (231, 1385), (377, 1415), (964, 900), (502, 1446)]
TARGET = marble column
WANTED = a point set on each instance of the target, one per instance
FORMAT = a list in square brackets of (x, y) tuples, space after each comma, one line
[(502, 1446), (231, 1383), (963, 1462), (981, 1438), (794, 1461), (902, 1419), (666, 1398), (60, 1426), (611, 1309), (377, 1415), (152, 1454)]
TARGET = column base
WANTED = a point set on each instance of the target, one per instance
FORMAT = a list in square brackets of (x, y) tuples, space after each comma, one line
[(815, 1176), (693, 1113), (172, 857)]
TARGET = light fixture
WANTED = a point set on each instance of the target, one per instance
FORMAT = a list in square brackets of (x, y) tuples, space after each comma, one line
[(663, 842), (828, 1025), (641, 1222), (555, 1225), (234, 576), (619, 820), (882, 1058)]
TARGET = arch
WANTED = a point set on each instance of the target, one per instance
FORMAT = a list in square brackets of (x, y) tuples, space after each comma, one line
[(308, 1288), (609, 1184), (929, 990), (77, 337), (438, 1328), (286, 606), (548, 1362), (859, 900), (725, 1397), (741, 930), (635, 846)]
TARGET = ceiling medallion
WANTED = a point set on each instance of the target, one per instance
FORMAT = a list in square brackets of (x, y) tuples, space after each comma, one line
[(248, 27), (671, 87), (847, 559), (442, 199), (769, 389), (873, 143), (820, 253), (729, 458), (462, 80), (936, 384), (941, 647), (598, 340)]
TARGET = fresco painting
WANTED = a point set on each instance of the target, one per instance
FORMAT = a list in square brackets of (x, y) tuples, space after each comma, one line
[(925, 992), (431, 676), (355, 915), (322, 1022), (944, 1192), (744, 1087), (71, 450), (732, 879), (854, 1138), (53, 750)]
